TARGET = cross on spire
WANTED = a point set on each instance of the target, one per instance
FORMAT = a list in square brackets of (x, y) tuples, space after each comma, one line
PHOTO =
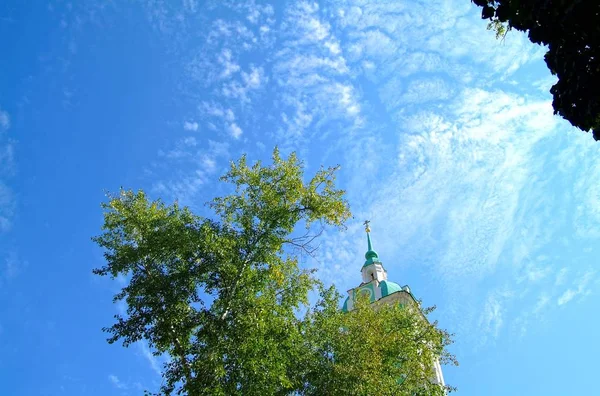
[(367, 227)]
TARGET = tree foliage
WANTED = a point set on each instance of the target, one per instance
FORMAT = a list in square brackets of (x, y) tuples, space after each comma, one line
[(223, 297), (386, 349), (571, 30)]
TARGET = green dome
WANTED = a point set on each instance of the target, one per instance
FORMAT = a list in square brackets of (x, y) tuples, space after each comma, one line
[(388, 288), (371, 255)]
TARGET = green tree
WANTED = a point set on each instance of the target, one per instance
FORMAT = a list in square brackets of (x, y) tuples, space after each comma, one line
[(571, 30), (383, 349), (223, 297)]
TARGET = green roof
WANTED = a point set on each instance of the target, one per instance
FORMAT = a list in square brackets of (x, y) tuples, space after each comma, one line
[(345, 307), (388, 288)]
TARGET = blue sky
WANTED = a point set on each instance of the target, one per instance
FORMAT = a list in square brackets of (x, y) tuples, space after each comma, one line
[(480, 199)]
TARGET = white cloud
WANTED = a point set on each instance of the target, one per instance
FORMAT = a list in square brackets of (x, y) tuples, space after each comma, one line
[(544, 84), (254, 13), (209, 164), (229, 66), (341, 99), (190, 141), (535, 313), (566, 296), (541, 303), (313, 79), (5, 223), (182, 149), (7, 198), (304, 22), (334, 47), (426, 90), (253, 79), (373, 43), (7, 153), (232, 34), (184, 186), (452, 31), (7, 204), (149, 356), (250, 81), (6, 146), (194, 164), (211, 109), (580, 288), (10, 265), (228, 115), (467, 180), (561, 276), (587, 212), (463, 200), (218, 149), (235, 130), (190, 126), (4, 120), (298, 65), (226, 118), (116, 382), (492, 318), (190, 5), (532, 271)]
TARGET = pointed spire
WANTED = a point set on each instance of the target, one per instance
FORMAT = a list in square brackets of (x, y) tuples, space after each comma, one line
[(371, 255)]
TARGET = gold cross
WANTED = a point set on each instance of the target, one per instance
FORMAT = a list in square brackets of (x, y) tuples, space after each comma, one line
[(366, 224)]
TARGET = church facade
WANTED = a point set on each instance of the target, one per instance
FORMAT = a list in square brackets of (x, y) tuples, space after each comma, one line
[(380, 290)]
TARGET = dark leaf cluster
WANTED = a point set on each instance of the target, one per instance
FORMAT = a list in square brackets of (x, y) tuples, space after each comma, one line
[(571, 31)]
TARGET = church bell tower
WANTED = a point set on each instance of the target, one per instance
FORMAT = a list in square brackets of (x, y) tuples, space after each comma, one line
[(376, 286)]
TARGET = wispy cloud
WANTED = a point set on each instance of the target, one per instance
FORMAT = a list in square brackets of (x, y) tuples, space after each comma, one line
[(305, 23), (441, 149), (117, 382), (542, 302), (531, 312), (196, 163), (7, 158), (12, 265), (191, 5), (235, 130), (459, 191), (580, 288), (154, 361), (388, 29), (251, 81), (183, 149), (566, 296), (561, 276), (228, 65), (7, 203), (4, 120), (7, 168), (311, 69), (190, 126), (493, 315)]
